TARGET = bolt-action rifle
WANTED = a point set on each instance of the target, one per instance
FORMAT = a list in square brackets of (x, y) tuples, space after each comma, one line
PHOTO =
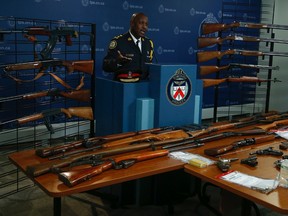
[(54, 35), (235, 145), (208, 28), (79, 95), (209, 41), (203, 56), (214, 82), (81, 112), (207, 69), (48, 166)]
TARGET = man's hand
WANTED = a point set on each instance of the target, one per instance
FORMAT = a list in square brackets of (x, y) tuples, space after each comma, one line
[(122, 59)]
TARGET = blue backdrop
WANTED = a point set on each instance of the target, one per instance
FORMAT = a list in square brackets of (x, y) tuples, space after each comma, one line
[(173, 25)]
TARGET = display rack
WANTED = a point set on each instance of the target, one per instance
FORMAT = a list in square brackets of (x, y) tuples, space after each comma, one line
[(54, 45), (242, 98)]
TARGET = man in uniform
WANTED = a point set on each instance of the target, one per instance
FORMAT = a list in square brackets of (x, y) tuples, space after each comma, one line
[(128, 53)]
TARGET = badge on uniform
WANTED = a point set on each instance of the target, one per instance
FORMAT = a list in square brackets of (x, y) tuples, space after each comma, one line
[(113, 44)]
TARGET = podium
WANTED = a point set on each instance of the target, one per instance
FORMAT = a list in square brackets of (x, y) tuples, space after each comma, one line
[(171, 97)]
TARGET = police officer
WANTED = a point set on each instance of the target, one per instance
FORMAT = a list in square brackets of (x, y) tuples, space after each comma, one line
[(128, 53)]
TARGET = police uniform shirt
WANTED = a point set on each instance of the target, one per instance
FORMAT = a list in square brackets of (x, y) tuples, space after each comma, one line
[(126, 45)]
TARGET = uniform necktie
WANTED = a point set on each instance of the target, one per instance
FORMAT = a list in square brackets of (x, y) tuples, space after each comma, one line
[(138, 45)]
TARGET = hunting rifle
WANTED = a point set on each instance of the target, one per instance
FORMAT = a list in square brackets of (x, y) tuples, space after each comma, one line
[(237, 144), (208, 28), (213, 82), (54, 35), (79, 95), (203, 56), (92, 142), (209, 41), (207, 69), (81, 112), (48, 166)]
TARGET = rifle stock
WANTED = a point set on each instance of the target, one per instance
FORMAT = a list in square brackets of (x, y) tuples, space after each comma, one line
[(273, 125), (250, 141), (203, 56), (212, 82), (74, 177)]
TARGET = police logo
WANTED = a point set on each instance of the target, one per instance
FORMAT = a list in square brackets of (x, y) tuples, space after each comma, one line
[(112, 44), (179, 88)]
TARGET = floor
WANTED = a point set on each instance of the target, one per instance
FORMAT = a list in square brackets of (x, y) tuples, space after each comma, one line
[(34, 202)]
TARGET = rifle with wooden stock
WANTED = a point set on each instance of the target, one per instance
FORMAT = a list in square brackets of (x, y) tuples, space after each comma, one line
[(79, 95), (208, 28), (92, 142), (209, 41), (214, 82), (203, 56), (207, 69), (81, 112), (238, 144)]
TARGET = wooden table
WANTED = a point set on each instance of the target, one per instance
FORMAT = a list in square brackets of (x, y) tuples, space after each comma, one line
[(276, 200), (53, 187)]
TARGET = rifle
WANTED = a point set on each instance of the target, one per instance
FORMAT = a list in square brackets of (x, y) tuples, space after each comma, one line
[(79, 95), (213, 82), (86, 66), (74, 177), (267, 151), (203, 56), (207, 69), (273, 125), (90, 143), (208, 28), (81, 112), (54, 36), (48, 166), (235, 145), (209, 41)]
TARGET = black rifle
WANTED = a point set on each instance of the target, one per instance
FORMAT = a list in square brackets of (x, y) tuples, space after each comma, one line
[(267, 151), (54, 35)]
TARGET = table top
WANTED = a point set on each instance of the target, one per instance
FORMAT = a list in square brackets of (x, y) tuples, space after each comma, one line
[(276, 200)]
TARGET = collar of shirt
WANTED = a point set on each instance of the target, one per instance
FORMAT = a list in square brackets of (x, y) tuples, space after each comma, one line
[(135, 40)]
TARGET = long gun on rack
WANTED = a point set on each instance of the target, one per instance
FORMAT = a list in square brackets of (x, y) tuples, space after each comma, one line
[(83, 95), (54, 35), (207, 69), (210, 41), (208, 28), (215, 82), (203, 56), (81, 112)]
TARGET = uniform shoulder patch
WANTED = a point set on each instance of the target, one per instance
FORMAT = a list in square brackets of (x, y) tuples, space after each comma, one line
[(113, 44)]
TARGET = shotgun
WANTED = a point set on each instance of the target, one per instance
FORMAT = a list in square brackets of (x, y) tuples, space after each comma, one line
[(81, 112), (213, 82), (91, 142), (208, 28), (235, 145), (203, 56), (209, 41), (79, 95), (207, 69)]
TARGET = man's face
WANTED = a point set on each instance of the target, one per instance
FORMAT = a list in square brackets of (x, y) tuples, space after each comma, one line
[(139, 26)]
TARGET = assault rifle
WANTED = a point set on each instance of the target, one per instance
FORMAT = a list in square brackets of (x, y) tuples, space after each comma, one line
[(207, 69), (208, 28), (79, 95), (81, 112), (203, 56), (235, 145), (209, 41), (54, 35), (86, 66), (213, 82)]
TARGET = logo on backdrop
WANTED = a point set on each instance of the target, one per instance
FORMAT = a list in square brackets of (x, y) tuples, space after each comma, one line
[(179, 88), (126, 6), (209, 19)]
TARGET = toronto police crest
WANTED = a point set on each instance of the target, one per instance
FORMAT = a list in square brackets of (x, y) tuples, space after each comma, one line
[(179, 88)]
